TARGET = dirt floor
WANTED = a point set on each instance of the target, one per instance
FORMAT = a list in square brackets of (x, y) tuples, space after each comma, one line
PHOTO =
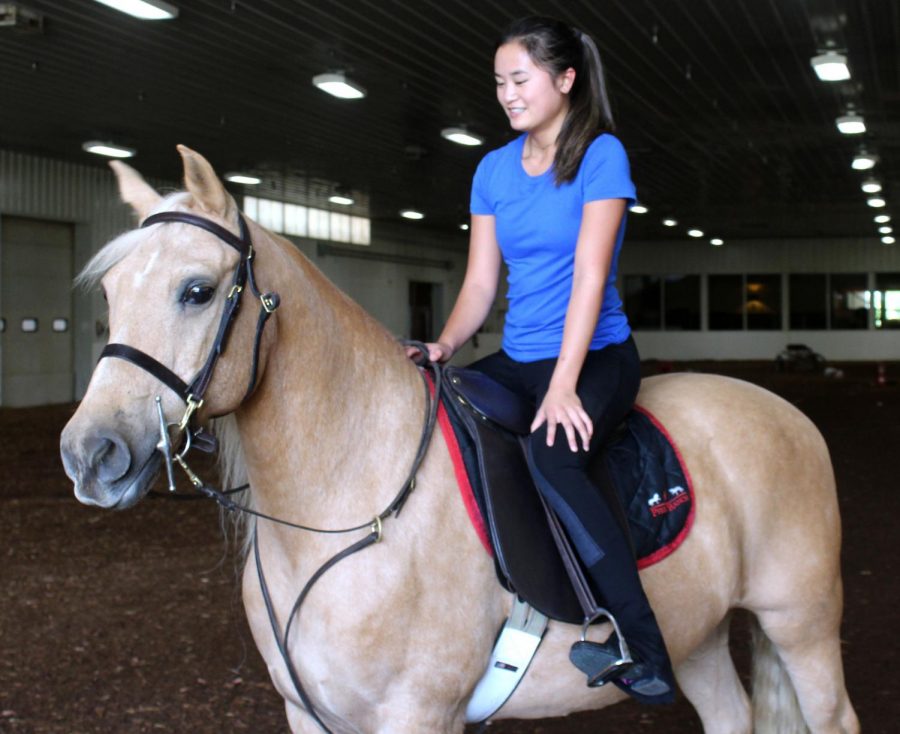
[(132, 622)]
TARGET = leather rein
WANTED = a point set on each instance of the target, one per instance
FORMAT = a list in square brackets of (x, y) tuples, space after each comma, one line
[(192, 394)]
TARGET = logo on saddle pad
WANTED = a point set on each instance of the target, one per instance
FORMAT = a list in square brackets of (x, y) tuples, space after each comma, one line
[(675, 496)]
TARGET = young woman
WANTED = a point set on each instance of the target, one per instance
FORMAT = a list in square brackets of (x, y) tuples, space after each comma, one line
[(552, 204)]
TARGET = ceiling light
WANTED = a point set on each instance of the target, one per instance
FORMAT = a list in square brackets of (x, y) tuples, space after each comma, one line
[(876, 202), (337, 85), (461, 136), (864, 161), (695, 233), (144, 9), (882, 218), (110, 150), (342, 200), (638, 209), (871, 186), (717, 242), (411, 214), (464, 227), (885, 230), (830, 66), (243, 178), (851, 124), (888, 240), (669, 222)]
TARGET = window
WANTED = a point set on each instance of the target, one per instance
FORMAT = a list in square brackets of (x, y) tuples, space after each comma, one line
[(886, 301), (726, 302), (305, 221), (681, 294), (763, 302), (643, 301), (808, 296), (849, 301)]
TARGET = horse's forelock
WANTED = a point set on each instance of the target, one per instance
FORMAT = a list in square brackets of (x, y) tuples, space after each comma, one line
[(117, 249)]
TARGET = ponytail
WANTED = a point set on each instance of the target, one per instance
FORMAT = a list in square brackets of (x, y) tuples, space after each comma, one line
[(555, 47)]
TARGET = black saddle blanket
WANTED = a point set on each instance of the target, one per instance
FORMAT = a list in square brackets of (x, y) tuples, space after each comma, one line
[(640, 469)]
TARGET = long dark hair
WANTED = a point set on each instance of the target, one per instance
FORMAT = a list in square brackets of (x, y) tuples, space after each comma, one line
[(555, 47)]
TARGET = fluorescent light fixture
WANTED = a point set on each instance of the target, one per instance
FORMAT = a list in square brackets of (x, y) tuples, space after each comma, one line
[(143, 9), (830, 66), (243, 178), (338, 85), (885, 230), (461, 136), (888, 240), (851, 124), (864, 161), (669, 222), (638, 209), (411, 214), (342, 200), (110, 150), (871, 186), (882, 218), (464, 227), (876, 202), (717, 241), (695, 233)]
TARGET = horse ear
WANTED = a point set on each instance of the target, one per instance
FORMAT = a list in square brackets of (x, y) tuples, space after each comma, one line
[(204, 185), (134, 190)]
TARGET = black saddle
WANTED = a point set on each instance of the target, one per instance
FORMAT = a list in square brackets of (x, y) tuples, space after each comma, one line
[(532, 553)]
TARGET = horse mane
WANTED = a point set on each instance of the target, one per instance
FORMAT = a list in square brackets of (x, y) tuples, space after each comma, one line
[(117, 249), (233, 473)]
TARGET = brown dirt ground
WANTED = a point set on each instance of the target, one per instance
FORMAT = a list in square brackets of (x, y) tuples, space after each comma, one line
[(132, 622)]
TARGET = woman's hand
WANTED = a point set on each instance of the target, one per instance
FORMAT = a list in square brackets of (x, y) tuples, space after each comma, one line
[(562, 407), (437, 351)]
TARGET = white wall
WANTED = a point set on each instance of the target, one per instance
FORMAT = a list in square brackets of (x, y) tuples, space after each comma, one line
[(862, 255)]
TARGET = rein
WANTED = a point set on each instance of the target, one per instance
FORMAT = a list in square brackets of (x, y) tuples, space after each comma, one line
[(192, 395)]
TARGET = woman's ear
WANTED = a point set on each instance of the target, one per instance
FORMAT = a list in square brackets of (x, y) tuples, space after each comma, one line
[(566, 80)]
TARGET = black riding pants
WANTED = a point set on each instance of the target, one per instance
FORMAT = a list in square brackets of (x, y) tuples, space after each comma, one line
[(607, 387)]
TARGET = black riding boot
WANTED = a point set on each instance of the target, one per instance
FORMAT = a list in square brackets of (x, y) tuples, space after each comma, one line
[(615, 577)]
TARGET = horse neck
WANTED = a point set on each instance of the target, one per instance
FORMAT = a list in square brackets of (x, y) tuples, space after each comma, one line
[(332, 430)]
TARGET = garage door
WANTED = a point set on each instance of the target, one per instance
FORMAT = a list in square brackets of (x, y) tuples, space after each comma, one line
[(36, 311)]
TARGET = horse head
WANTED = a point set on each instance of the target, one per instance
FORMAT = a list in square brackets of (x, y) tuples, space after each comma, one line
[(173, 288)]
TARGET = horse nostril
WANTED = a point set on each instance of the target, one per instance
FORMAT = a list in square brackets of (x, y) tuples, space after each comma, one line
[(108, 456)]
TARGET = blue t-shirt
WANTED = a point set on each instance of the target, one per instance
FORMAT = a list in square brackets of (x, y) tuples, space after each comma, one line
[(537, 226)]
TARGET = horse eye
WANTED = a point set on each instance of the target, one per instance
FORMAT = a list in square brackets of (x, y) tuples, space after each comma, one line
[(197, 295)]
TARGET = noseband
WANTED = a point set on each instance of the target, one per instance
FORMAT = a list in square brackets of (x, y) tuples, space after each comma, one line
[(192, 393)]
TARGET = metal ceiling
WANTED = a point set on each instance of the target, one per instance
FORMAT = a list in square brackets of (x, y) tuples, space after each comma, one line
[(727, 127)]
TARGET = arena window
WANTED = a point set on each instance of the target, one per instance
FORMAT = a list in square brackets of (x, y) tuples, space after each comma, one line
[(726, 302), (762, 302), (808, 299), (850, 301), (886, 301), (307, 221)]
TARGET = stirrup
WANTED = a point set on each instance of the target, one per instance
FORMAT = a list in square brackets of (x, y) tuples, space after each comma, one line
[(601, 661)]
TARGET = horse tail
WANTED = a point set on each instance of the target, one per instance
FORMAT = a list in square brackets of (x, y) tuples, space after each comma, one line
[(776, 709)]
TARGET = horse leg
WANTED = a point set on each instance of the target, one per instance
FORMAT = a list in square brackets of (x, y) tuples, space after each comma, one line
[(710, 682), (807, 644)]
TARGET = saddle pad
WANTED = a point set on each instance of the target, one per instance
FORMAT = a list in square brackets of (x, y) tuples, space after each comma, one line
[(648, 473), (654, 486)]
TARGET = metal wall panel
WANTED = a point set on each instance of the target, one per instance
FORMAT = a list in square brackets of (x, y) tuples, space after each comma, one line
[(86, 196)]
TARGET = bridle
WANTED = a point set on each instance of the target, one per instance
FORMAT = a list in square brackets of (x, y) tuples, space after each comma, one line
[(192, 395)]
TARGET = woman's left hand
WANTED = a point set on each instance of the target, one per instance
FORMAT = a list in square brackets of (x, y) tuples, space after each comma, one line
[(562, 407)]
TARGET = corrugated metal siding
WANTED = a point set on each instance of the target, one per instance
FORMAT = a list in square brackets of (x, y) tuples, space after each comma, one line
[(760, 256), (86, 196)]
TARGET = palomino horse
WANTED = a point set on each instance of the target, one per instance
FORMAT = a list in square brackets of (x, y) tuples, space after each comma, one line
[(395, 637)]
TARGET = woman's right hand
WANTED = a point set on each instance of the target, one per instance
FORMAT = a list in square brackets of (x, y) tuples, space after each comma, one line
[(437, 351)]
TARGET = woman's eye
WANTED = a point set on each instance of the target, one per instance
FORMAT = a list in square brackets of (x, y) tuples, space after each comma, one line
[(197, 295)]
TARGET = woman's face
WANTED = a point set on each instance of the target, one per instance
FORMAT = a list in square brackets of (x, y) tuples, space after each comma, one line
[(533, 100)]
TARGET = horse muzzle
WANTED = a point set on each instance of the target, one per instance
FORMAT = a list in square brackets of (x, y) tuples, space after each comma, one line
[(105, 470)]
